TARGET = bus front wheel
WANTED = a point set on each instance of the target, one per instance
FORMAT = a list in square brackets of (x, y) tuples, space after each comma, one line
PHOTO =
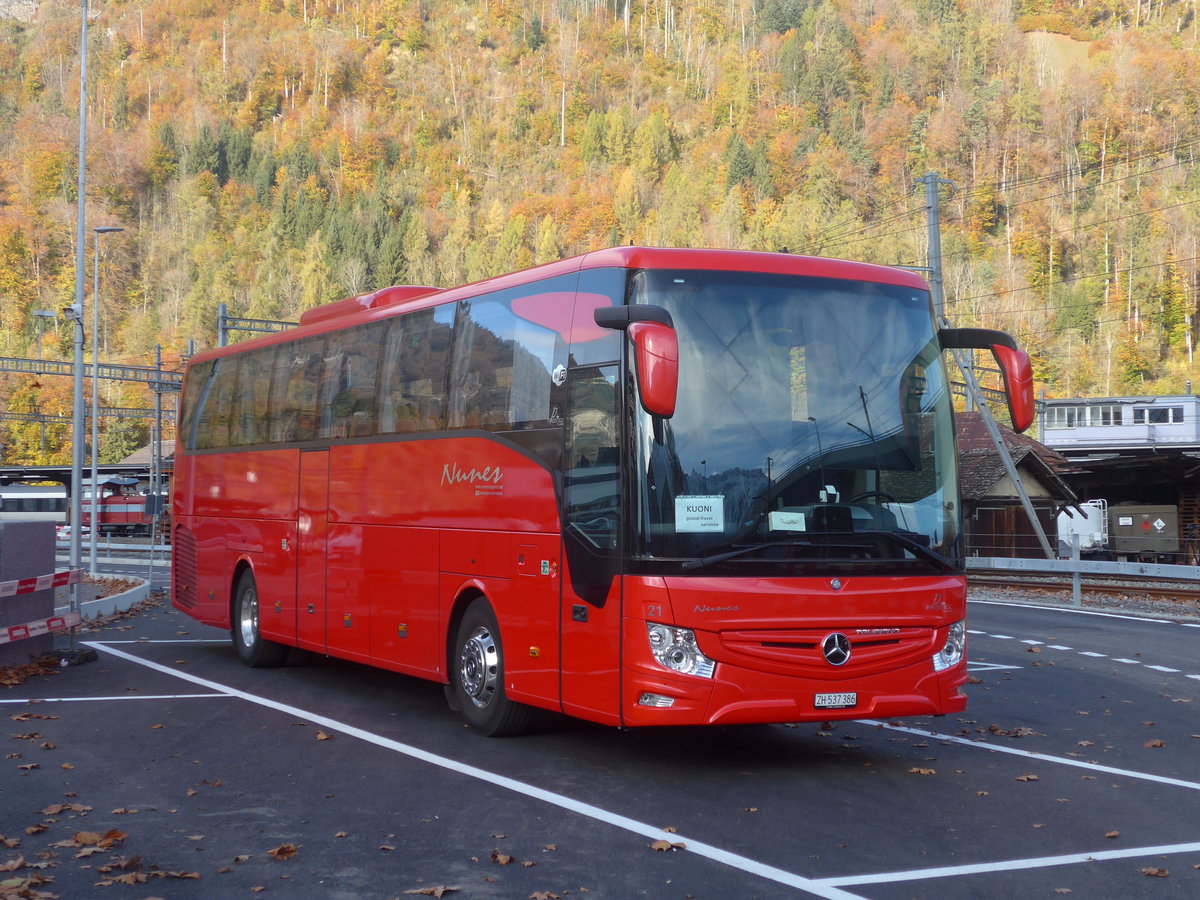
[(253, 649), (478, 668)]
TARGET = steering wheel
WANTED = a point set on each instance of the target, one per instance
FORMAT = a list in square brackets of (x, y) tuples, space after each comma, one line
[(866, 495)]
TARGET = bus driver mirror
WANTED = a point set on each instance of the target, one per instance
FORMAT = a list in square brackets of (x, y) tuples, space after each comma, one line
[(656, 352), (656, 348), (1014, 363)]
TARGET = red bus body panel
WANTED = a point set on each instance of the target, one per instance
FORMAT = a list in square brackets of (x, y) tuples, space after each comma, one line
[(766, 634)]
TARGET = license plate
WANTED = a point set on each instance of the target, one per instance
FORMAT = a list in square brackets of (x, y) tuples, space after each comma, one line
[(836, 701)]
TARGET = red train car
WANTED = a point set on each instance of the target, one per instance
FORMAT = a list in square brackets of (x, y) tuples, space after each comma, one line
[(122, 509)]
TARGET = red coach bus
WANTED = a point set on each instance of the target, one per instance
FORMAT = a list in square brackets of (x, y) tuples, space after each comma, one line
[(640, 486)]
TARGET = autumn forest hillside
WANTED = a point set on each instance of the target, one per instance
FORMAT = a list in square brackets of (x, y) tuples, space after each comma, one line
[(274, 155)]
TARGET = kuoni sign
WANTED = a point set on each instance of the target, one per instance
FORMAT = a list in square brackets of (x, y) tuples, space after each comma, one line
[(700, 513)]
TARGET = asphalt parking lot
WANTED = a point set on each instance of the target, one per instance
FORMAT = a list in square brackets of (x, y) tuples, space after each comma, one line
[(166, 769)]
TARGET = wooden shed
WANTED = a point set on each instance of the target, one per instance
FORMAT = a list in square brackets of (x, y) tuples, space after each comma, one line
[(994, 520)]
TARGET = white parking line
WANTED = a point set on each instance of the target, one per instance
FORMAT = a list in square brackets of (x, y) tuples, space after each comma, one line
[(1033, 754), (1089, 653), (28, 702), (708, 851), (1011, 865)]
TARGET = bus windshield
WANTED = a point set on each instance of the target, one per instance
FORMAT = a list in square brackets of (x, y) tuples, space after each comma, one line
[(812, 432)]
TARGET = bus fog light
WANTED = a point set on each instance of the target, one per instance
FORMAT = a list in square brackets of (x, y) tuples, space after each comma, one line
[(655, 700), (675, 649), (955, 648)]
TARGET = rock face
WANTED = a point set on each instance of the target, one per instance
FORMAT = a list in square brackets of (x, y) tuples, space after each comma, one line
[(21, 10)]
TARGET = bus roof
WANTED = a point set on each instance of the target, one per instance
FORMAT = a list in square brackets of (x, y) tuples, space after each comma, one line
[(364, 307)]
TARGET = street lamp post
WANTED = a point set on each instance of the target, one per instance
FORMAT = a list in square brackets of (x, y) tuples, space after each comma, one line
[(75, 313), (104, 229)]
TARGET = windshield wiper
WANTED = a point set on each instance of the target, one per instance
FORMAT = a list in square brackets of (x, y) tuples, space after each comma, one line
[(916, 547), (702, 561)]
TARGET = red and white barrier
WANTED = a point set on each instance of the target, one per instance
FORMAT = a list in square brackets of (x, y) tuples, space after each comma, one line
[(41, 626), (29, 586), (40, 583)]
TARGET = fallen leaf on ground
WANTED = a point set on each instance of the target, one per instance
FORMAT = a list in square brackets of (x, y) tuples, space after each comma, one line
[(1027, 778), (440, 890), (501, 859), (283, 851), (1156, 873), (661, 846)]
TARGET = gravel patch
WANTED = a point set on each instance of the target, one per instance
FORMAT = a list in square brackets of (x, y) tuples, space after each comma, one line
[(1130, 603)]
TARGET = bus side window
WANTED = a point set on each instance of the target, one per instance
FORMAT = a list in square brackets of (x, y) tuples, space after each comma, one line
[(507, 346), (412, 382), (331, 381), (351, 403), (294, 390), (591, 344), (212, 430), (592, 471), (249, 424), (194, 389)]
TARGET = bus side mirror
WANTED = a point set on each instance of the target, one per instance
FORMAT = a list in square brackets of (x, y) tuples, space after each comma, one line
[(1015, 367), (656, 350)]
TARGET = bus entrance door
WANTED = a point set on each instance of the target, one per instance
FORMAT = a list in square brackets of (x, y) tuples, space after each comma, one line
[(312, 530)]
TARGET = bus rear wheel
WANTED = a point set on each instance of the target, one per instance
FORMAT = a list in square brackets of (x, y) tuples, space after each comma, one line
[(478, 669), (253, 649)]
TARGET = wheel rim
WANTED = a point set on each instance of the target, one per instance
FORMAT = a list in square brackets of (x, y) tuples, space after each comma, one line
[(248, 617), (479, 667)]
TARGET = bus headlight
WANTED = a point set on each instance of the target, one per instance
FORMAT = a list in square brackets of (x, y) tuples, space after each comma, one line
[(952, 653), (675, 649)]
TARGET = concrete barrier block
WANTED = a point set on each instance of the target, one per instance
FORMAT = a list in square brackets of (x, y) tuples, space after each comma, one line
[(26, 551)]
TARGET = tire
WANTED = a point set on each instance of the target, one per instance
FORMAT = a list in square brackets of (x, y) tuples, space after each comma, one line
[(478, 671), (252, 648)]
